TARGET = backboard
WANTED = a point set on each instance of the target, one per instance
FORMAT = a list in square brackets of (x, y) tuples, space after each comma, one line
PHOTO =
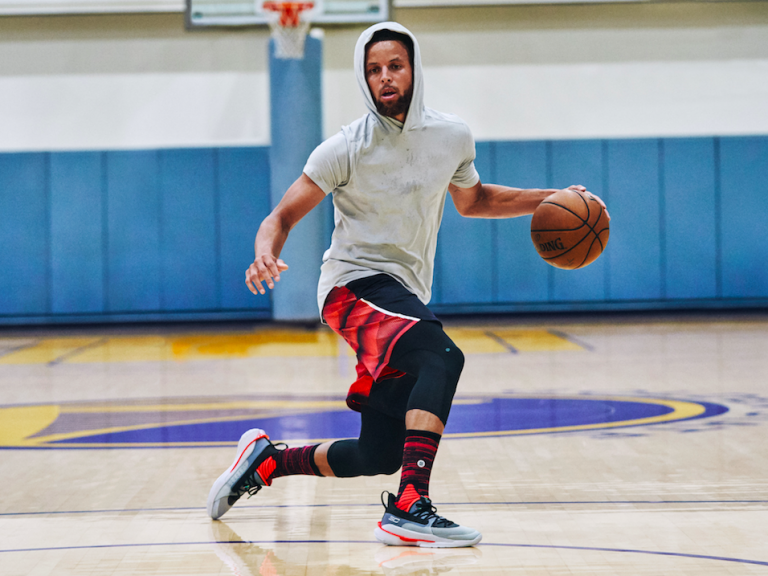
[(202, 13)]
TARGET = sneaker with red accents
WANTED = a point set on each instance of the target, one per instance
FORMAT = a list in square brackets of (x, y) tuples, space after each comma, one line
[(421, 526), (250, 471)]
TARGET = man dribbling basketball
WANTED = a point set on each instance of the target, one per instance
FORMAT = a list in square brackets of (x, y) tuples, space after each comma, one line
[(389, 173)]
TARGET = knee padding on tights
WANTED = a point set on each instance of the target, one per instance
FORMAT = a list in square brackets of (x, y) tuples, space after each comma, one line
[(379, 450), (426, 352), (348, 459)]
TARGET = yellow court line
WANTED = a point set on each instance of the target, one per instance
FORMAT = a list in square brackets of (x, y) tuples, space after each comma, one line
[(535, 340), (288, 409), (48, 350), (17, 423), (143, 445), (273, 343), (248, 405), (680, 410), (197, 407)]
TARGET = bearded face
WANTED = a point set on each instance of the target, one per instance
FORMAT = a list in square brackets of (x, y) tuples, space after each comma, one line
[(397, 107), (389, 75)]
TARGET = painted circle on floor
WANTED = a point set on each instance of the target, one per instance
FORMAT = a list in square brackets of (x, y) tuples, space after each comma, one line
[(219, 421)]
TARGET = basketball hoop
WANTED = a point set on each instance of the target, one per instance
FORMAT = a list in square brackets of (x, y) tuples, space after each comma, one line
[(289, 24)]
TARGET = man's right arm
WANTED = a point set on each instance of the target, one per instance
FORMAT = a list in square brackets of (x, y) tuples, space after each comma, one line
[(298, 201)]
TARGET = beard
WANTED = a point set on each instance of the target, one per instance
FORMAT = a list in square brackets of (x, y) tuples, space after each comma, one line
[(399, 106)]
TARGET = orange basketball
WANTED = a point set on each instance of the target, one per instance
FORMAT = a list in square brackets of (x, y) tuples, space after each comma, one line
[(570, 229)]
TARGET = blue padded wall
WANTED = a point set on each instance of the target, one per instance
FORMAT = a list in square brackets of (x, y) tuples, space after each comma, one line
[(580, 162), (523, 277), (77, 233), (24, 234), (189, 230), (244, 201), (463, 248), (690, 218), (130, 235), (168, 234), (743, 176), (133, 232), (687, 216), (633, 198)]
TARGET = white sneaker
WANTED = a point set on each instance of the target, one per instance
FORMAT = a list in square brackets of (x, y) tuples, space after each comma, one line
[(243, 475), (421, 526)]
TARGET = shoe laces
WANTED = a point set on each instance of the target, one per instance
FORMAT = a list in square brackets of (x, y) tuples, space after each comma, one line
[(422, 509), (425, 510), (248, 482)]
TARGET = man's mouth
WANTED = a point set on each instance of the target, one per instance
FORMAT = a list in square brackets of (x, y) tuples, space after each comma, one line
[(388, 94)]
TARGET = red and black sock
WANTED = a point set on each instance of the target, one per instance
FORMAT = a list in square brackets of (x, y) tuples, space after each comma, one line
[(418, 456), (289, 462)]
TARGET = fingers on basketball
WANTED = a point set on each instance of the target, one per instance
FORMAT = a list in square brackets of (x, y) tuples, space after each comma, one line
[(570, 229)]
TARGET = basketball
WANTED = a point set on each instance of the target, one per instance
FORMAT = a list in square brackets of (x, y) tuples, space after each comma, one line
[(570, 229)]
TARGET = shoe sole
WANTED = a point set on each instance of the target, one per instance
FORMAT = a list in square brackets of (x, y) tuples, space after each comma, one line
[(217, 504), (392, 539)]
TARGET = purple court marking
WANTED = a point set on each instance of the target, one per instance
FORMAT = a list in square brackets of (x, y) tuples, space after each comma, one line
[(363, 505), (540, 546), (494, 415)]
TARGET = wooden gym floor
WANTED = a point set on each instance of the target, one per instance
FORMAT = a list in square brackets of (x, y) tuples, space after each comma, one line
[(621, 445)]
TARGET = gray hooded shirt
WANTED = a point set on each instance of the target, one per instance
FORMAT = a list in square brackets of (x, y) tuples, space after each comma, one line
[(389, 181)]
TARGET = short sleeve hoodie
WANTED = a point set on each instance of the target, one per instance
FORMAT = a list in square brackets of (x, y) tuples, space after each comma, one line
[(389, 181)]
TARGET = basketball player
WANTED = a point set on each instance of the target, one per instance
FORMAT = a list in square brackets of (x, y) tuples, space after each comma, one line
[(389, 173)]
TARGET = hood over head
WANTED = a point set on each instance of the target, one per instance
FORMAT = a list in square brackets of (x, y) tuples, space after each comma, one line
[(415, 116)]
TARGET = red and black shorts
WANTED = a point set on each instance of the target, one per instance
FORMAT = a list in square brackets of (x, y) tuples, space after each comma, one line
[(371, 314)]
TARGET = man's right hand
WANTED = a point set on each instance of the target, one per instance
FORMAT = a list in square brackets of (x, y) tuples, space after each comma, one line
[(301, 197), (265, 268)]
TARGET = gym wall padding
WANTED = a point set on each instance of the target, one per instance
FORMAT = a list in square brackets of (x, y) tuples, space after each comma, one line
[(130, 235), (165, 235), (688, 219)]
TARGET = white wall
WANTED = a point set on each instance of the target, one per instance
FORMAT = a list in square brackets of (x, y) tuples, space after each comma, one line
[(140, 81), (512, 72), (587, 71)]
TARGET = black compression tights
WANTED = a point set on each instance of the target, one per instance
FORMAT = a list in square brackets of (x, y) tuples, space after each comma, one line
[(379, 450), (428, 354)]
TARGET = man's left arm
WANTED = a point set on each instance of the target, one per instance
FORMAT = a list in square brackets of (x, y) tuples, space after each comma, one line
[(495, 201)]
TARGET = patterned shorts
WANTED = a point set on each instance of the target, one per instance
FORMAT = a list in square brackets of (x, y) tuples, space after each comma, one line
[(371, 314)]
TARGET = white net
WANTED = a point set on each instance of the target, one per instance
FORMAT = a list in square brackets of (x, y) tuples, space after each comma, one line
[(289, 40), (289, 27)]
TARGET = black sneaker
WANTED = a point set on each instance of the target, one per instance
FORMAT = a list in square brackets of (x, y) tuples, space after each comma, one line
[(421, 526), (243, 476)]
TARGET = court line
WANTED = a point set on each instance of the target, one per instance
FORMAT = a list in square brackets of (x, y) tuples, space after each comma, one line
[(572, 340), (75, 351), (494, 544), (8, 351), (680, 410), (364, 505), (501, 341)]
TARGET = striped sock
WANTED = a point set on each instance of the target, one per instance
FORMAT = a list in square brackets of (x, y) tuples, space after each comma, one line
[(289, 462), (418, 456)]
